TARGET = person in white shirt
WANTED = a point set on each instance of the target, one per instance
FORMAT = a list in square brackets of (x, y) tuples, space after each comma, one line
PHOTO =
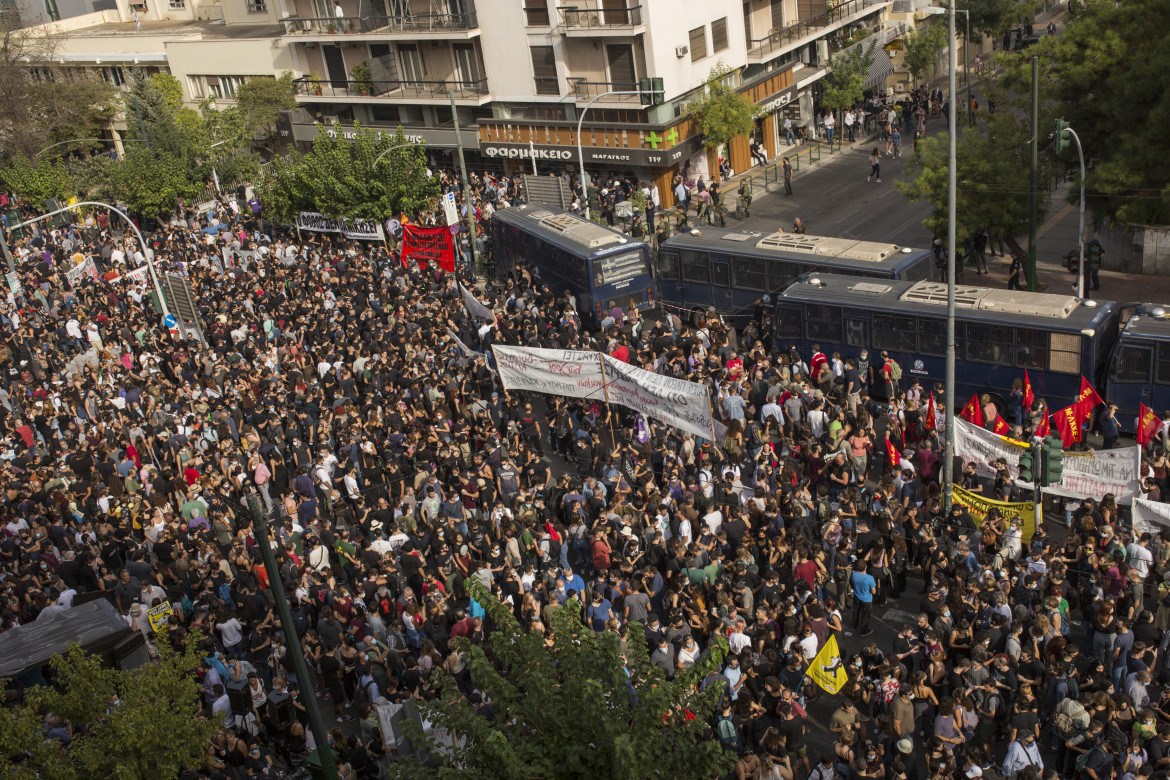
[(1140, 558)]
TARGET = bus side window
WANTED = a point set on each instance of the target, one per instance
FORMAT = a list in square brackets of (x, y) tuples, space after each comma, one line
[(787, 322), (668, 265), (1031, 348), (695, 267), (988, 343), (1133, 364), (720, 273), (1064, 355), (1163, 376)]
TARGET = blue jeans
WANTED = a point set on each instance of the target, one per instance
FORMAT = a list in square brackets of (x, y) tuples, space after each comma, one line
[(789, 136), (829, 134)]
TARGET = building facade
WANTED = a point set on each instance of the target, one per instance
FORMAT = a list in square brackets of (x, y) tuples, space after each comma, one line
[(516, 74)]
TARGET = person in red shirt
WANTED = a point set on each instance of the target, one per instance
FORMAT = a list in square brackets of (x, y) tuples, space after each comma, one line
[(734, 366), (818, 360), (806, 570)]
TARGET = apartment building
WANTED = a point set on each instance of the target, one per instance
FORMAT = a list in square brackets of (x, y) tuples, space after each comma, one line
[(520, 73)]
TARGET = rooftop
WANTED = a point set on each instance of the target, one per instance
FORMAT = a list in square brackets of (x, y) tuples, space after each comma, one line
[(203, 28)]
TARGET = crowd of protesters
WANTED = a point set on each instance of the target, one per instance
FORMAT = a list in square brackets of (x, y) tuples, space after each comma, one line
[(396, 467)]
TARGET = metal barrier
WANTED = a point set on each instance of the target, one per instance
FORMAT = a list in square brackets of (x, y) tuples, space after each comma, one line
[(770, 175), (814, 148)]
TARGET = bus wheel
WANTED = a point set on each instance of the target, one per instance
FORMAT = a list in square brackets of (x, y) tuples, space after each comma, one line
[(698, 317)]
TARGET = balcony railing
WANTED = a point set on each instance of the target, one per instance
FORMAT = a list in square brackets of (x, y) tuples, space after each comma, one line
[(464, 90), (600, 18), (413, 23), (587, 90), (782, 39)]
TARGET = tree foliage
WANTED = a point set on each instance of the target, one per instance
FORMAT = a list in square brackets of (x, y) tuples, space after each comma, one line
[(1105, 74), (848, 70), (993, 174), (260, 101), (922, 44), (337, 177), (35, 180), (127, 725), (721, 113), (170, 88), (994, 17), (572, 705)]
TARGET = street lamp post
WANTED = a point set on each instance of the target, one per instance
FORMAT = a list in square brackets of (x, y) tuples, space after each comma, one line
[(952, 123), (378, 159), (83, 140), (580, 151), (1081, 227), (934, 11), (162, 301)]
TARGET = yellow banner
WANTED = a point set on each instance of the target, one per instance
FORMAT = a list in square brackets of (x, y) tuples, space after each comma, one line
[(827, 670), (977, 507)]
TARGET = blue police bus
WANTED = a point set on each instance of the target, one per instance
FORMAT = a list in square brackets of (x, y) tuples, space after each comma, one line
[(1140, 369), (998, 333), (731, 270), (600, 266)]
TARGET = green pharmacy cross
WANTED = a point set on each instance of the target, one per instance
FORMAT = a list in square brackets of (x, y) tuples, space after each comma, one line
[(672, 136), (654, 139)]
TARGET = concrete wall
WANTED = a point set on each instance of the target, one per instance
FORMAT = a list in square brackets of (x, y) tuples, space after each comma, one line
[(1142, 249), (668, 24)]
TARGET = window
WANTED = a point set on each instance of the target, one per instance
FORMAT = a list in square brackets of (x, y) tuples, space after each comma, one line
[(1163, 376), (619, 268), (412, 71), (932, 337), (1065, 353), (196, 85), (379, 50), (177, 5), (381, 112), (536, 13), (230, 84), (544, 70), (891, 331), (114, 75), (1133, 364), (695, 268), (720, 276), (787, 322), (824, 324), (256, 7), (698, 43), (989, 343), (1031, 348), (214, 88), (856, 332), (719, 35), (749, 274), (667, 265)]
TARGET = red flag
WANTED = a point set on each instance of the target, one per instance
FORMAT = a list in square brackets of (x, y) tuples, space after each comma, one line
[(1087, 399), (892, 453), (1044, 427), (1068, 422), (428, 246), (1001, 427), (972, 412), (1029, 396), (1148, 425), (929, 421)]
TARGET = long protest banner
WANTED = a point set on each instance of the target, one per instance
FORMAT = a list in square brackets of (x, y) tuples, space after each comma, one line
[(977, 507), (357, 229), (1093, 474), (1150, 516), (591, 375), (428, 246), (976, 445), (474, 307)]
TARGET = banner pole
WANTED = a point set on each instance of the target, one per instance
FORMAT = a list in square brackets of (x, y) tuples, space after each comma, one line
[(711, 417), (608, 408)]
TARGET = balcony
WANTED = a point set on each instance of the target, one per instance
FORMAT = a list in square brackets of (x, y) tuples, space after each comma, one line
[(809, 30), (308, 91), (584, 91), (432, 26), (579, 22)]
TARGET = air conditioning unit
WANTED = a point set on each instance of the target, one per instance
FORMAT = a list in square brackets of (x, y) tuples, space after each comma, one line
[(681, 51)]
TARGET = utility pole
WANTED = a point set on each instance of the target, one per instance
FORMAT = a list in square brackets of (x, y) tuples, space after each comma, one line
[(471, 234), (1033, 199), (11, 264), (293, 642), (952, 124)]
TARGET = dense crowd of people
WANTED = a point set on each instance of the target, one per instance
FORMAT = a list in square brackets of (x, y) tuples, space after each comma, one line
[(356, 399)]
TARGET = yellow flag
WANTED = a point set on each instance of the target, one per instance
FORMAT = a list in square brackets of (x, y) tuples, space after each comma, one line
[(827, 670), (977, 507)]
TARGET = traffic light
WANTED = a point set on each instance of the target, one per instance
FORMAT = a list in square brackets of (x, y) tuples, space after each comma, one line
[(1028, 466), (1053, 460), (650, 91), (1061, 138)]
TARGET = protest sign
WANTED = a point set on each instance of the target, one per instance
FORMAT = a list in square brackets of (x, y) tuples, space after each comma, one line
[(1150, 516), (675, 402), (976, 445), (977, 507), (567, 372), (428, 246), (357, 229), (474, 307), (85, 269), (1093, 474), (159, 616)]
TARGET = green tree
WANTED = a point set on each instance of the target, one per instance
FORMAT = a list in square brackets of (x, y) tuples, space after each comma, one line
[(994, 17), (259, 103), (126, 725), (922, 44), (575, 706), (337, 177), (170, 88), (993, 175), (1105, 74), (848, 70), (721, 113), (33, 181)]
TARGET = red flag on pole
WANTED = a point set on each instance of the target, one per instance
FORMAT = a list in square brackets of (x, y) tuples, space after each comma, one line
[(929, 421), (972, 412), (892, 453), (1029, 396), (1068, 422), (1148, 425), (1001, 427), (1044, 427), (1087, 399)]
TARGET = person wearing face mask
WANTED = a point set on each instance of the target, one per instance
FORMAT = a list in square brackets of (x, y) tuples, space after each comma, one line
[(902, 714)]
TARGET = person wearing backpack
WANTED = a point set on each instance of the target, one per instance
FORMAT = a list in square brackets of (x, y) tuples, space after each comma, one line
[(1070, 718), (727, 729), (1097, 764), (1022, 753), (891, 374)]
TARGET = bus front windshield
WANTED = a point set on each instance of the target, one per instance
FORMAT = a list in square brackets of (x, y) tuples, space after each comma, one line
[(619, 268)]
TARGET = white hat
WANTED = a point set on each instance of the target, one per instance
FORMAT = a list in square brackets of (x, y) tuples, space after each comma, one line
[(627, 531), (974, 771)]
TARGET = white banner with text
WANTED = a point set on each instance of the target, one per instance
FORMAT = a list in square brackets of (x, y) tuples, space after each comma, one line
[(1093, 474), (975, 445)]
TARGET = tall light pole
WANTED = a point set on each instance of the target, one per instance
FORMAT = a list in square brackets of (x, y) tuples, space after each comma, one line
[(162, 301), (467, 207), (949, 448), (378, 159), (1062, 128), (86, 140), (581, 152), (934, 11)]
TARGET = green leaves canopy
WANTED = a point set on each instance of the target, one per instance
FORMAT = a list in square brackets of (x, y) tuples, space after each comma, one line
[(848, 71), (33, 181), (721, 113), (575, 706), (337, 177), (922, 44), (127, 725)]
